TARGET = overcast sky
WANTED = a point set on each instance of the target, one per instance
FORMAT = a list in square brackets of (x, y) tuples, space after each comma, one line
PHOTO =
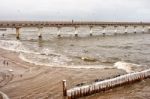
[(101, 10)]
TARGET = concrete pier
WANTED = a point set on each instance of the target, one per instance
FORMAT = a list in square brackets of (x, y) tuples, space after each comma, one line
[(75, 24), (135, 31), (17, 32), (76, 31), (143, 30), (104, 30), (126, 29), (91, 30), (40, 32), (115, 29), (58, 31)]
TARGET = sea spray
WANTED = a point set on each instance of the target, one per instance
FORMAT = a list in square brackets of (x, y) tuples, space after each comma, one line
[(42, 59), (128, 67), (13, 45), (57, 62)]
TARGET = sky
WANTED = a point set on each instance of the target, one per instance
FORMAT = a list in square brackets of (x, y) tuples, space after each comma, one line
[(80, 10)]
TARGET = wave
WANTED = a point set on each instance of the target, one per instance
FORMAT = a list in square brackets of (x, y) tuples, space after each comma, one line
[(57, 61), (44, 56), (128, 67), (14, 45), (43, 59)]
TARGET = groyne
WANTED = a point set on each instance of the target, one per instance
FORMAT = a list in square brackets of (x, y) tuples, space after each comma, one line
[(105, 85)]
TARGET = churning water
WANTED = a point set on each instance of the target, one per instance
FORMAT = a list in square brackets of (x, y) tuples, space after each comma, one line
[(78, 52)]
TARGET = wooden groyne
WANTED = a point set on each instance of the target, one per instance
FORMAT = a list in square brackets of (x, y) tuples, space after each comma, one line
[(3, 95), (99, 86)]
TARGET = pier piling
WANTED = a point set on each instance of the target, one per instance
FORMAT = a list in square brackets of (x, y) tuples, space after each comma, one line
[(17, 32)]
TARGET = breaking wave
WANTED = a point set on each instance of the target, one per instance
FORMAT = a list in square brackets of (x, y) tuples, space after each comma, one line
[(44, 56), (13, 46), (129, 67)]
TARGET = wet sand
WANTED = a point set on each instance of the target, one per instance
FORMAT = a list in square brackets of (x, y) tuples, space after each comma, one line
[(22, 80)]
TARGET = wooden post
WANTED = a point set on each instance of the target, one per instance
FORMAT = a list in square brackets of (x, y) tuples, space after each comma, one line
[(64, 88), (17, 32), (1, 96)]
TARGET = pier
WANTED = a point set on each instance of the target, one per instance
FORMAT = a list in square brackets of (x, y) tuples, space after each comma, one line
[(76, 24)]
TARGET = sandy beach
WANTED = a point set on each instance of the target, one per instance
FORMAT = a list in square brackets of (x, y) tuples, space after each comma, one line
[(22, 80)]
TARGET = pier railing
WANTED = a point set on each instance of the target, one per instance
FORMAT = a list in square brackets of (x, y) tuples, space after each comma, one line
[(104, 85), (75, 24)]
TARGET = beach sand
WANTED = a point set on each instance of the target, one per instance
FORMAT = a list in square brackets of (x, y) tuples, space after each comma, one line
[(22, 80)]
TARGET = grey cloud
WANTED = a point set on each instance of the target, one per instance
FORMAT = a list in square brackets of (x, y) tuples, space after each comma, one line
[(102, 10)]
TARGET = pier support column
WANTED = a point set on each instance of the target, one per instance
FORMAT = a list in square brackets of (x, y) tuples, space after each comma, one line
[(17, 32), (135, 31), (115, 29), (76, 31), (58, 31), (40, 32), (64, 88), (126, 29), (104, 30), (143, 30), (91, 31)]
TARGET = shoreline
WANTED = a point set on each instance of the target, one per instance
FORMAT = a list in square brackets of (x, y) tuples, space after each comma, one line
[(30, 80)]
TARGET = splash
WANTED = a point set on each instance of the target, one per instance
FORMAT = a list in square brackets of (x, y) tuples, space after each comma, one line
[(128, 67), (13, 45), (44, 56)]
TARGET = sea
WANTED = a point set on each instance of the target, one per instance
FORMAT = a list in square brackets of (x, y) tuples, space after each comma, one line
[(84, 51)]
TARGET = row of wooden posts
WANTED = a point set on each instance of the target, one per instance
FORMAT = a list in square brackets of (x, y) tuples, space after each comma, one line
[(100, 86), (76, 31)]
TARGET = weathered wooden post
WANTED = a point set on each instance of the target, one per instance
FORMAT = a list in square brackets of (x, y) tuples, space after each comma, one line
[(17, 32), (1, 96), (64, 88)]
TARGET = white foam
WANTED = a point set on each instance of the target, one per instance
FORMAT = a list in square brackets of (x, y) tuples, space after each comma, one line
[(128, 67), (57, 62), (14, 45), (44, 57)]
